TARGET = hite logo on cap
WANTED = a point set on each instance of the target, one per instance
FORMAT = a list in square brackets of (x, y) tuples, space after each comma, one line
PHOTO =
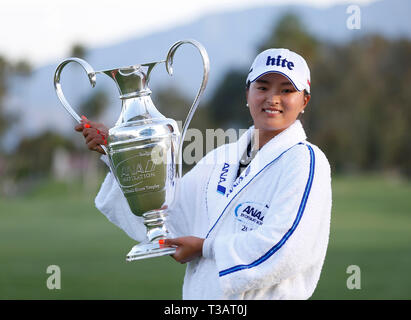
[(282, 61), (276, 62)]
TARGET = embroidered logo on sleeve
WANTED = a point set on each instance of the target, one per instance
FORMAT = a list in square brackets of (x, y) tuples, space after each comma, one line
[(250, 215), (223, 178)]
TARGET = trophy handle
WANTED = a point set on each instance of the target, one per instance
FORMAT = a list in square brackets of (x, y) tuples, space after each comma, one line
[(57, 86), (206, 69)]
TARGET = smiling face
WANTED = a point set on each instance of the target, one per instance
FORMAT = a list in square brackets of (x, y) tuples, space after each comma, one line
[(274, 104)]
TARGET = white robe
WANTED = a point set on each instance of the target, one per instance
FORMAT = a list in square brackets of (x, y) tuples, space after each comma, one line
[(266, 231)]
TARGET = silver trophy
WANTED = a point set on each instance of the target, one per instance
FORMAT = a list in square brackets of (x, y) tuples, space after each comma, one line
[(144, 146)]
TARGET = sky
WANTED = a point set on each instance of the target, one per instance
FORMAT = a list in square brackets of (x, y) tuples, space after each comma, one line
[(43, 31)]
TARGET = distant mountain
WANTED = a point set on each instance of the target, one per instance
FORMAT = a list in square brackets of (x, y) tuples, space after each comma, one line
[(230, 38)]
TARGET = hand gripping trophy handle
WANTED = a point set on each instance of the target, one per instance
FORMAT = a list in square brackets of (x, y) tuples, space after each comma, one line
[(57, 86)]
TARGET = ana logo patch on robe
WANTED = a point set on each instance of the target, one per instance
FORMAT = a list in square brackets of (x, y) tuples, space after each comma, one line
[(250, 215)]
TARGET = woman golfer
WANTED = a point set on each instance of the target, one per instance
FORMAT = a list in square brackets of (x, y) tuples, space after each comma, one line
[(252, 218)]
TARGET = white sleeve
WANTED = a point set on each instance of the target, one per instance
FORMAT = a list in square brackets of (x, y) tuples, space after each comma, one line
[(293, 238), (178, 222), (185, 212), (112, 203)]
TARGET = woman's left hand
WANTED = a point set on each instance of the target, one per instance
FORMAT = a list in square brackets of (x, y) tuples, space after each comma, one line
[(94, 133), (188, 248)]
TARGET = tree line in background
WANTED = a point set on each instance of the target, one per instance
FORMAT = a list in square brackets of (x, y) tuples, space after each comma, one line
[(360, 110), (359, 113)]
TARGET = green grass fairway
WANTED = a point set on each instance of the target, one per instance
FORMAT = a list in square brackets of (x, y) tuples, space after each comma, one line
[(57, 225), (50, 228), (370, 228)]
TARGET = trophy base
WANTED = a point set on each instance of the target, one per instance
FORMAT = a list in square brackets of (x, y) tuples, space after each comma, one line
[(148, 250)]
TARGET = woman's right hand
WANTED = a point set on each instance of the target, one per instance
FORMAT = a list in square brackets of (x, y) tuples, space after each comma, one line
[(94, 133)]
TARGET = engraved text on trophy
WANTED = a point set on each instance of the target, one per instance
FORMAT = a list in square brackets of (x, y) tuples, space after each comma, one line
[(141, 179)]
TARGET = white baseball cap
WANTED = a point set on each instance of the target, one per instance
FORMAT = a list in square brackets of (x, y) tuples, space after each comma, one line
[(285, 62)]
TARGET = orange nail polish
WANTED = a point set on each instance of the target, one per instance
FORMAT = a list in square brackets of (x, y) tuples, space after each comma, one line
[(87, 125), (161, 241)]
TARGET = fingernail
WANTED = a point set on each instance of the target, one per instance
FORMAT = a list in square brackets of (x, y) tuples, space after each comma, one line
[(105, 142), (87, 125), (98, 131), (84, 117), (161, 241)]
